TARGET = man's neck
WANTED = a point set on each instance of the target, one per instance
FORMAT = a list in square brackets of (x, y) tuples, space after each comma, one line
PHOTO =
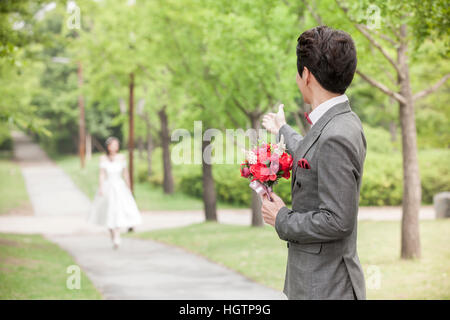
[(321, 97)]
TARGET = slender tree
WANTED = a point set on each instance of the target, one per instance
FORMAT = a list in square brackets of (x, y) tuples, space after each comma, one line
[(389, 29)]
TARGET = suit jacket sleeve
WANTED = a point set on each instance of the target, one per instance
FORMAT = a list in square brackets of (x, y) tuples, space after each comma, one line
[(291, 138), (338, 178)]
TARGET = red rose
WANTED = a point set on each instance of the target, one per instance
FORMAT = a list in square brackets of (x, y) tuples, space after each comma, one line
[(257, 171), (286, 165), (286, 162), (245, 171), (267, 173), (286, 174)]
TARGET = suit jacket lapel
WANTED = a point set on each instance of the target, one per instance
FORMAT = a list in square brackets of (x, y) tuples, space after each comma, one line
[(314, 134)]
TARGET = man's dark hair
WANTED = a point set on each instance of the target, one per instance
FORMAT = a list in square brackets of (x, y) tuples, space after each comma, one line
[(330, 55)]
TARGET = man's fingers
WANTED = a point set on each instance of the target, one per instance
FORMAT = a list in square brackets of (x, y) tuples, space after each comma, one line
[(269, 121), (274, 196), (269, 116), (266, 123), (264, 197), (281, 108), (265, 202)]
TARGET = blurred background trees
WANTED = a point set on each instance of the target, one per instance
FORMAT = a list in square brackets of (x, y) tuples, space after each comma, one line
[(227, 63)]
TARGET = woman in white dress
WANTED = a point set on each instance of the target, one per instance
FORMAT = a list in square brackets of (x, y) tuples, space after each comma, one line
[(114, 206)]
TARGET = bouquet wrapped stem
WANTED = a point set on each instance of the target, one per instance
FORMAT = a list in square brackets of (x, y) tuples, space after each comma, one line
[(261, 189)]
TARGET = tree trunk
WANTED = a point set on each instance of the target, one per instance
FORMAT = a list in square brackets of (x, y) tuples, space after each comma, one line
[(209, 190), (168, 186), (148, 128), (88, 146), (257, 219), (410, 247)]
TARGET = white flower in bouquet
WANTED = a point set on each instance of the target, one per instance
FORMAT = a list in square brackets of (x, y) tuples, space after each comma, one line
[(251, 157), (280, 147)]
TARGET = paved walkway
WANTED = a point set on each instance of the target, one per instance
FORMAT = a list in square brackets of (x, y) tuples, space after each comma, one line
[(143, 269), (139, 269), (49, 188)]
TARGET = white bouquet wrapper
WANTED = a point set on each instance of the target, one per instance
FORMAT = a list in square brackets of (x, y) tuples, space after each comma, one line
[(261, 189)]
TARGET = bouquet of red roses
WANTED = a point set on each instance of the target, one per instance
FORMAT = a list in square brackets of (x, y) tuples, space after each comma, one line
[(265, 165)]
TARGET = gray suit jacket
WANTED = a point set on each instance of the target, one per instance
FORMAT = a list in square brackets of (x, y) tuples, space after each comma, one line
[(321, 227)]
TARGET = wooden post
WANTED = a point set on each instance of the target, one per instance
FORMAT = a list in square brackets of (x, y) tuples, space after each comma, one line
[(82, 124), (131, 131)]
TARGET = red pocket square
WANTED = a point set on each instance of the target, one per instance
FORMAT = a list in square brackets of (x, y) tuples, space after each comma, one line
[(303, 163)]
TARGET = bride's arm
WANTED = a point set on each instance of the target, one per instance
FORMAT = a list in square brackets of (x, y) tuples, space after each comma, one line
[(101, 177)]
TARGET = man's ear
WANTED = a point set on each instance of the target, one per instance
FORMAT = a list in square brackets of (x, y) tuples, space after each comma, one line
[(306, 76)]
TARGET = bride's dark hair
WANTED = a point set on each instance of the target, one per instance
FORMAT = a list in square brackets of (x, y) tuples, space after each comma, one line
[(109, 141)]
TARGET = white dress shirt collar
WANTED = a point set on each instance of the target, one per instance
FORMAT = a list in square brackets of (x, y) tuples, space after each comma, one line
[(322, 108)]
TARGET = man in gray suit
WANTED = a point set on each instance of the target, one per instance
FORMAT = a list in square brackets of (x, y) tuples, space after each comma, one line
[(320, 229)]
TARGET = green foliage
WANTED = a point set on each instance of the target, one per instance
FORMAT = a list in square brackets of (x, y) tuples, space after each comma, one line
[(379, 140), (5, 138), (19, 41), (13, 193), (382, 180), (218, 61), (223, 62), (230, 187), (381, 186), (435, 173), (427, 27), (15, 17)]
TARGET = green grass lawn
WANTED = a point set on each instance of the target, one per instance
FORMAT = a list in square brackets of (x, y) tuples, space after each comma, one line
[(13, 194), (148, 196), (259, 254), (33, 268)]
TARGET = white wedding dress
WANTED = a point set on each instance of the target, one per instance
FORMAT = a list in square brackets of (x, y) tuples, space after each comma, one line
[(116, 207)]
